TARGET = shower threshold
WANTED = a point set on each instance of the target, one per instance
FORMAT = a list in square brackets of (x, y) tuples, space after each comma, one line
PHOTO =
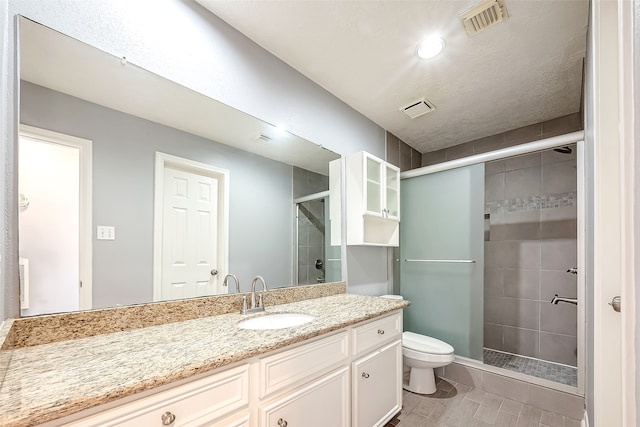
[(551, 371)]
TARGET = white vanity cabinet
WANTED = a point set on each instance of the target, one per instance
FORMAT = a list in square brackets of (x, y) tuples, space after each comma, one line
[(372, 200), (349, 377), (377, 371)]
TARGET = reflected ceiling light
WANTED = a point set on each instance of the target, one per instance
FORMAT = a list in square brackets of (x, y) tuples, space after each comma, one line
[(280, 129), (430, 47)]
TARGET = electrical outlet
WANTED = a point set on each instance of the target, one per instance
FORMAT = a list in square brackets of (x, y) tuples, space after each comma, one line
[(106, 232)]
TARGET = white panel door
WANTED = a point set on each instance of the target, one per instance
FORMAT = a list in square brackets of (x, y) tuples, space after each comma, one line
[(190, 235)]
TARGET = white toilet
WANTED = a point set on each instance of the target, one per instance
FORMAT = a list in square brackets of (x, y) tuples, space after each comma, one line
[(420, 354)]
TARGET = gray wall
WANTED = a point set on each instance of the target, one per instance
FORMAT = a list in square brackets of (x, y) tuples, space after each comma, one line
[(185, 43), (124, 146), (531, 201)]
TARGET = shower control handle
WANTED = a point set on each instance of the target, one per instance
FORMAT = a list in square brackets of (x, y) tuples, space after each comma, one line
[(615, 303)]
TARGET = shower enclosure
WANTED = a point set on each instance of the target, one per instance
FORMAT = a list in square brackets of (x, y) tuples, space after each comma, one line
[(484, 248), (317, 260)]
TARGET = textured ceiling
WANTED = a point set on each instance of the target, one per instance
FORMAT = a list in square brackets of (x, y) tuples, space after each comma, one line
[(525, 70)]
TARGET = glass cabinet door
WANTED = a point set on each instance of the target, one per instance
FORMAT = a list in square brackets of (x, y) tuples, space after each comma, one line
[(374, 186), (392, 192)]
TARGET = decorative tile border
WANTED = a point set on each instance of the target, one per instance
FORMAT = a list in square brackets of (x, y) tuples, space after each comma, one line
[(545, 201)]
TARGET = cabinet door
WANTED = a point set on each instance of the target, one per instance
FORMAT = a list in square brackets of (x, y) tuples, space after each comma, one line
[(377, 387), (374, 177), (392, 192), (322, 403)]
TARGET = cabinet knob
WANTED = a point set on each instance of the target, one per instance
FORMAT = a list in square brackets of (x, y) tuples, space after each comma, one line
[(282, 423), (365, 375), (168, 418), (381, 331)]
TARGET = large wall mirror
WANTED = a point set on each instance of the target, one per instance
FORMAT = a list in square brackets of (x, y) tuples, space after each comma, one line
[(135, 189)]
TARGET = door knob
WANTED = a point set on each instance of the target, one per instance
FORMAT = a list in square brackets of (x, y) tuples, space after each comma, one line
[(615, 303)]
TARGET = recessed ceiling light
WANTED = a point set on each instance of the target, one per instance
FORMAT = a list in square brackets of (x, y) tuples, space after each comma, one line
[(430, 47)]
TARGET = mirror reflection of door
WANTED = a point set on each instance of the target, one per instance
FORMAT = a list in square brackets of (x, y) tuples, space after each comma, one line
[(54, 230), (191, 230), (310, 232)]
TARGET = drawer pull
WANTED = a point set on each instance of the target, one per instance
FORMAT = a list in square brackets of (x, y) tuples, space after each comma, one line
[(168, 418), (282, 423), (365, 375), (381, 331)]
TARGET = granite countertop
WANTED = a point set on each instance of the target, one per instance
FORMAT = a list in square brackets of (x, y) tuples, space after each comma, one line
[(49, 381)]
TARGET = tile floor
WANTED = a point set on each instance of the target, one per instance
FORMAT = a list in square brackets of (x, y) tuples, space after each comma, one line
[(458, 405), (562, 374)]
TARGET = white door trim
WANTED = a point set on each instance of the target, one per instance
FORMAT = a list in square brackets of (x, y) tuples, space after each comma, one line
[(164, 160), (611, 269), (84, 146), (626, 102)]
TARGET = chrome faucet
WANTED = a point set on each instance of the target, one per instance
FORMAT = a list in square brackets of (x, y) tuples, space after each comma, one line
[(255, 308), (225, 282), (556, 299)]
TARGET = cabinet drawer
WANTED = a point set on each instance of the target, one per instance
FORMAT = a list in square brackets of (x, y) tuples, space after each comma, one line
[(324, 403), (299, 365), (376, 333), (197, 403)]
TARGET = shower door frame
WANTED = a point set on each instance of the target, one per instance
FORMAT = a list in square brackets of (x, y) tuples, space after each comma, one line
[(296, 201), (516, 150)]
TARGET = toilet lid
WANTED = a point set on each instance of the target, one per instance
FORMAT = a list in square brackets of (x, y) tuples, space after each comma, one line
[(425, 344)]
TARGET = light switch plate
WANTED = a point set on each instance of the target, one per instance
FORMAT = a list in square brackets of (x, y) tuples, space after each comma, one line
[(106, 232)]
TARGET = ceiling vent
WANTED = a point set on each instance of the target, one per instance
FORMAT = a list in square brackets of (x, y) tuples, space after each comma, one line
[(487, 14), (418, 108), (263, 138)]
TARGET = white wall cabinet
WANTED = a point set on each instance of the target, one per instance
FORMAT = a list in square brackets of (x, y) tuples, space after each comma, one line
[(353, 377), (372, 201)]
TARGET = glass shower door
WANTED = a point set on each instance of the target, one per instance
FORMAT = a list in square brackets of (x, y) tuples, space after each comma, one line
[(442, 257)]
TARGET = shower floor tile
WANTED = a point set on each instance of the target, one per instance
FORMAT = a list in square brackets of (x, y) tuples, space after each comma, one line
[(555, 372)]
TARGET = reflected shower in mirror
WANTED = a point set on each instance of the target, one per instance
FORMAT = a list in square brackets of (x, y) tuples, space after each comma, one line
[(167, 192)]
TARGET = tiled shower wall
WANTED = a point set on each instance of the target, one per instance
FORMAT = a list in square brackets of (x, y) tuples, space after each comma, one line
[(530, 242), (311, 226)]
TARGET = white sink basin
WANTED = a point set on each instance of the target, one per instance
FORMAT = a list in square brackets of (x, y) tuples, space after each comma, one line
[(275, 321)]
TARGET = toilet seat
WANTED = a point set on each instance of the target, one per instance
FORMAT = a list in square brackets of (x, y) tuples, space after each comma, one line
[(424, 344)]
